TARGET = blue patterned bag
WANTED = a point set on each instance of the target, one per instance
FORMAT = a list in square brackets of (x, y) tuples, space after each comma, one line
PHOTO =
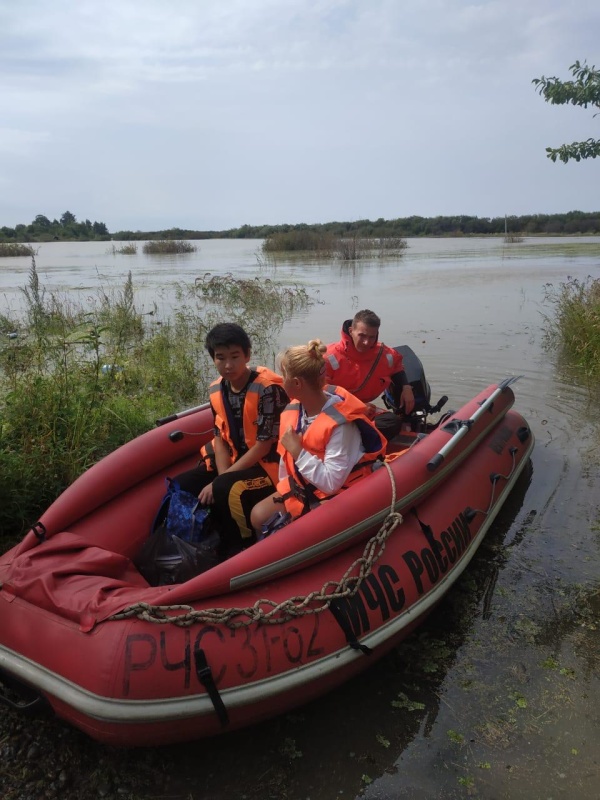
[(182, 514)]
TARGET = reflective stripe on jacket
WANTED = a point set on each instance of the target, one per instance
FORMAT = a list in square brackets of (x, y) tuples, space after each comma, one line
[(254, 391), (300, 496)]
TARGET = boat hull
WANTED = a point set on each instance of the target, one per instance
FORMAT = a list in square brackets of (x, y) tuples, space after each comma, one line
[(73, 630)]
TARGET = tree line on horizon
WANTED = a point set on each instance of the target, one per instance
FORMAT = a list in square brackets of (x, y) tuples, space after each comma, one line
[(569, 223), (66, 228)]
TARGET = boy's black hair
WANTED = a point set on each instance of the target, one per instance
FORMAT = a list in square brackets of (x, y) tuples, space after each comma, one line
[(227, 334)]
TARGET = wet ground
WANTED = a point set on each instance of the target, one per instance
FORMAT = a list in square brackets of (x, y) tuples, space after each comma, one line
[(496, 696)]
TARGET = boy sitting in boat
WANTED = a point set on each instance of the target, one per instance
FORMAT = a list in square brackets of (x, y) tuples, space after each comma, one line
[(240, 465), (327, 442)]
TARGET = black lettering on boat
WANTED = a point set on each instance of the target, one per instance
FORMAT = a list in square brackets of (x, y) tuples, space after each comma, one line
[(448, 546), (249, 649), (293, 645), (430, 563), (351, 615), (500, 439), (415, 565), (461, 523), (374, 595), (435, 549), (217, 677), (186, 661), (388, 577), (145, 646), (440, 558), (457, 537), (267, 643), (460, 532), (312, 650)]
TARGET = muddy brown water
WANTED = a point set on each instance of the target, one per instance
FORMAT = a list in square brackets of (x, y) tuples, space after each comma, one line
[(496, 695)]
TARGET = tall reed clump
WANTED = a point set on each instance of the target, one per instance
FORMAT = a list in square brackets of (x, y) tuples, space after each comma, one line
[(389, 246), (300, 241), (10, 249), (79, 379), (129, 249), (575, 324), (166, 246), (327, 245)]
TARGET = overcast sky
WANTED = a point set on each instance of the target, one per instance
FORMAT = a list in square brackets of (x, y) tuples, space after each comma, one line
[(209, 114)]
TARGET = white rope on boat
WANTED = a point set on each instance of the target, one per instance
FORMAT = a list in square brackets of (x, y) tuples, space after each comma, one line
[(268, 612)]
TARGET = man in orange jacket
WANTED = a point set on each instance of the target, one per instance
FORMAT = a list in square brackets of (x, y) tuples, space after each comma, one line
[(366, 367)]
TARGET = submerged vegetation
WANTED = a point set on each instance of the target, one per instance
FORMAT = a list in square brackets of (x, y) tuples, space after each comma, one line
[(79, 379), (8, 250), (169, 246), (328, 245), (575, 324), (129, 249)]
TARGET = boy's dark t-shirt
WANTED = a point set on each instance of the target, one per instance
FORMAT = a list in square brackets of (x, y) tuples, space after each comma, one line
[(271, 404)]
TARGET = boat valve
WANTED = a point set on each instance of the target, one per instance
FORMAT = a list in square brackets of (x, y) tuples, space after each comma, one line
[(523, 433)]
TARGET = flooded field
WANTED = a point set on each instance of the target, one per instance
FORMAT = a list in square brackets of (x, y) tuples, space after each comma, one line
[(497, 695)]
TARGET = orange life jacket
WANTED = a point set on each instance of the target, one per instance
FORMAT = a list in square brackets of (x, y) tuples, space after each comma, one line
[(254, 391), (367, 375), (299, 496)]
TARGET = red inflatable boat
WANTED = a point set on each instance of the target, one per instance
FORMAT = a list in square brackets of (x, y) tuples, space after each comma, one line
[(269, 629)]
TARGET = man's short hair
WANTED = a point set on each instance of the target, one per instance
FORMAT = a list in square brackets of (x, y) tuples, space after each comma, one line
[(368, 317), (227, 334)]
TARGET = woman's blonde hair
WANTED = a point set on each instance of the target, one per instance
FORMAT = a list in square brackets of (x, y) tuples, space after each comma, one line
[(305, 361)]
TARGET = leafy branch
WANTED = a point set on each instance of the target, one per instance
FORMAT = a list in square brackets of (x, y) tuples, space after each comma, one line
[(584, 90)]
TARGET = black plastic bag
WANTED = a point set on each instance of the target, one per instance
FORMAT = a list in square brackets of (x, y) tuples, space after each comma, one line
[(166, 559)]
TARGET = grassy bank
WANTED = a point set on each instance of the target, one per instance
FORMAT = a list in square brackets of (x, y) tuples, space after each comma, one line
[(574, 325), (76, 380)]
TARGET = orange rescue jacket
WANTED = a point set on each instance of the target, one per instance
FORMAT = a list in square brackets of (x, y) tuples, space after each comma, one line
[(299, 496), (254, 391), (367, 375)]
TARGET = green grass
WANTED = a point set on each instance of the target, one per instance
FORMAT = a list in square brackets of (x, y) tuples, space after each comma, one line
[(129, 249), (575, 323), (299, 241), (169, 246), (78, 381), (327, 245)]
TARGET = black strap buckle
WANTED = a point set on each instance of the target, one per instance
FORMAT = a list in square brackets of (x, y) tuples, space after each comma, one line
[(205, 676), (39, 529)]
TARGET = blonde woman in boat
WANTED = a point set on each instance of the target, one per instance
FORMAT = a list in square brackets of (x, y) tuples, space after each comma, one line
[(326, 443)]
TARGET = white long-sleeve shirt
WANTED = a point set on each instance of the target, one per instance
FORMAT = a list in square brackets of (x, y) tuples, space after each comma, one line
[(344, 449)]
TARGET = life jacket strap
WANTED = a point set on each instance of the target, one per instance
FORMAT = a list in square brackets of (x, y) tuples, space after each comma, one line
[(304, 492)]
